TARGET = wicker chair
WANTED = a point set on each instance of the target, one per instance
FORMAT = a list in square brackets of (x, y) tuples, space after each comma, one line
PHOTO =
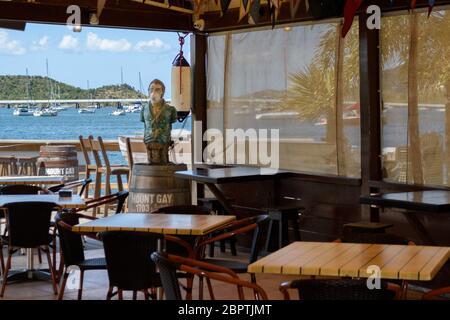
[(339, 289), (433, 294), (73, 184), (119, 198), (257, 224), (168, 266), (21, 189), (129, 267), (72, 252), (28, 227), (128, 262), (28, 189)]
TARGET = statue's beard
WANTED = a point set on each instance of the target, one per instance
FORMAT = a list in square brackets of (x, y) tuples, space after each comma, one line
[(155, 99)]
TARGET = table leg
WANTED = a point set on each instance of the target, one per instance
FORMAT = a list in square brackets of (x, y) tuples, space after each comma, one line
[(424, 235), (30, 262), (219, 196), (29, 273)]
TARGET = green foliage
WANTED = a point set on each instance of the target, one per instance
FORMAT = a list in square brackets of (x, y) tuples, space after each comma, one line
[(312, 91), (38, 88)]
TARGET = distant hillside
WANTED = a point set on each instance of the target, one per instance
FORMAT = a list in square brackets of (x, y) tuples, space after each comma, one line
[(15, 88)]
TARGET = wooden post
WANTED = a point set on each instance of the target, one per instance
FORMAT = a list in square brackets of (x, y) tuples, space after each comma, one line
[(414, 148), (339, 124), (447, 132), (369, 59), (198, 76)]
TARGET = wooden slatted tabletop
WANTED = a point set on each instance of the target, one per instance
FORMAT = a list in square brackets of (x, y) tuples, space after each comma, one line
[(31, 180), (352, 260), (68, 203), (159, 223)]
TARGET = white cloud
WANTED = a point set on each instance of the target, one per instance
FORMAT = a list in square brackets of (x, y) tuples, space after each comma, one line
[(94, 42), (69, 43), (152, 46), (41, 44), (9, 46)]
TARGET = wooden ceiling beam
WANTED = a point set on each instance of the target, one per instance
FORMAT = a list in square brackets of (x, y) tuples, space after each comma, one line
[(112, 16), (215, 23)]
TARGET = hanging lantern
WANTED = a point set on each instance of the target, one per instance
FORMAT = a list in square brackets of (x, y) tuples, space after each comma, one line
[(181, 83)]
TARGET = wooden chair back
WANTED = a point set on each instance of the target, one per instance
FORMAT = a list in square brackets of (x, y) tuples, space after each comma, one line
[(86, 149), (134, 146), (99, 152)]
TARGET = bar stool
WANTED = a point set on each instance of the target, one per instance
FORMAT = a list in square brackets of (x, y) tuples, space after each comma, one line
[(214, 205), (365, 227), (104, 167), (281, 216), (8, 166), (86, 149), (27, 166)]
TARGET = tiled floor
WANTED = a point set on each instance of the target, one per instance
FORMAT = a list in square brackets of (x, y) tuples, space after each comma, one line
[(96, 284)]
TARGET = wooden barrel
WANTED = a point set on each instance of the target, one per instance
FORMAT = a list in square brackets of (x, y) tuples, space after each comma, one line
[(59, 160), (154, 186)]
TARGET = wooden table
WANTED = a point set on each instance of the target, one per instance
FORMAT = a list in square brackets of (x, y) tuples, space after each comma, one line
[(180, 224), (213, 177), (352, 260), (31, 180), (67, 203), (430, 201)]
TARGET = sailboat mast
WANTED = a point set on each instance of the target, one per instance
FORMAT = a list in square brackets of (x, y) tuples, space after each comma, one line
[(140, 84), (50, 89), (28, 87)]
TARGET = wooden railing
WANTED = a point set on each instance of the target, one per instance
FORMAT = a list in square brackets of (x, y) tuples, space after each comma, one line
[(34, 145), (31, 148)]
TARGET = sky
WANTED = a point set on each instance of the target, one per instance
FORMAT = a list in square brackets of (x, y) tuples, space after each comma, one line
[(94, 54)]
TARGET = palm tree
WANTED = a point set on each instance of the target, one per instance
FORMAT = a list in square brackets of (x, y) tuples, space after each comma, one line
[(420, 45), (319, 89), (414, 48)]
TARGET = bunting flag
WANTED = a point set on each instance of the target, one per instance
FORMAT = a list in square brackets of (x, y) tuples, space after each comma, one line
[(224, 4), (253, 14), (430, 6), (294, 5), (196, 9), (273, 13), (243, 9), (351, 6)]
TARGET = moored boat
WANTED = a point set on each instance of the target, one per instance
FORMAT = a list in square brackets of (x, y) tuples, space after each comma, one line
[(86, 110), (23, 111), (45, 113)]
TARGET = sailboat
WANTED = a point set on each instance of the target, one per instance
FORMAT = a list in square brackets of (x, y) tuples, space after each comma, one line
[(22, 111), (87, 110), (25, 110), (47, 111), (91, 108)]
